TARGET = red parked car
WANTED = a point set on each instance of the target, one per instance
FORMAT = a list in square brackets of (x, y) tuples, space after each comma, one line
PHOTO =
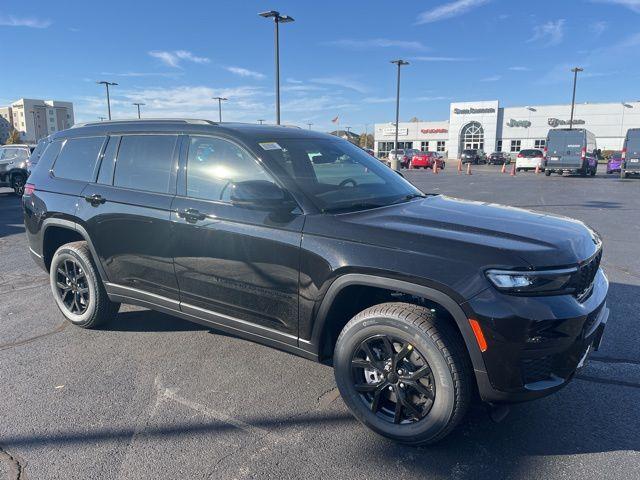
[(426, 159)]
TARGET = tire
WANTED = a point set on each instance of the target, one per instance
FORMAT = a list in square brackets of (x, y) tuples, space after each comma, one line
[(434, 341), (75, 258), (18, 182), (547, 173)]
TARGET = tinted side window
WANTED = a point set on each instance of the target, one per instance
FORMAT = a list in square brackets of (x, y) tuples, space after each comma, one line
[(144, 162), (50, 154), (78, 157), (105, 176), (213, 165), (37, 153)]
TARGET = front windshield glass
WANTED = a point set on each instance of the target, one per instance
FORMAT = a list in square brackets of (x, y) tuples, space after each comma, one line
[(338, 176)]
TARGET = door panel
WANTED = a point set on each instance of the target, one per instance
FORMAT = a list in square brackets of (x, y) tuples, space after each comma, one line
[(234, 261)]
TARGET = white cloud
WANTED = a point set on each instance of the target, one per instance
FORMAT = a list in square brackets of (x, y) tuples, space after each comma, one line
[(293, 80), (174, 58), (143, 74), (599, 27), (244, 72), (449, 10), (13, 21), (379, 99), (492, 78), (519, 69), (443, 59), (549, 33), (376, 43), (633, 5), (342, 82)]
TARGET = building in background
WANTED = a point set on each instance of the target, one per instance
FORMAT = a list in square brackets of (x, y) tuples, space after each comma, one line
[(487, 126), (35, 119)]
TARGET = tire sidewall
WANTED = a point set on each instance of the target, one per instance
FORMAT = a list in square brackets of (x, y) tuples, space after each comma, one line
[(69, 254), (444, 403)]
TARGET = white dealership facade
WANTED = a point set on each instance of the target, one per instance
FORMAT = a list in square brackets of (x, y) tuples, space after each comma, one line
[(488, 126)]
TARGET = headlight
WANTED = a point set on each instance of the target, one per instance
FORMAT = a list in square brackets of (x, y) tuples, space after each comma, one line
[(534, 282)]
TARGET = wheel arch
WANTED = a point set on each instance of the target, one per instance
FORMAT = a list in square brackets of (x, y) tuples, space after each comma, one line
[(57, 232), (323, 321)]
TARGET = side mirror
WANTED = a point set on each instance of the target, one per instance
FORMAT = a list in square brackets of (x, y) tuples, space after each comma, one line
[(260, 195)]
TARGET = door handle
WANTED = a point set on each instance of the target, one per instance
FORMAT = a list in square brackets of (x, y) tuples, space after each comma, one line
[(191, 215), (95, 199)]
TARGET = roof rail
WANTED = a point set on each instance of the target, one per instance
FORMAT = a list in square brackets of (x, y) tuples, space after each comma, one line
[(187, 121)]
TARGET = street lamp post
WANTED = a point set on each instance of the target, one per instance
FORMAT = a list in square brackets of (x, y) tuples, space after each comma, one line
[(220, 100), (309, 124), (137, 104), (260, 121), (394, 160), (575, 71), (277, 20), (107, 85)]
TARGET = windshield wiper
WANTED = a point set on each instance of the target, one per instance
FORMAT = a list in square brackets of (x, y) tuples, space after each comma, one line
[(411, 196), (353, 207)]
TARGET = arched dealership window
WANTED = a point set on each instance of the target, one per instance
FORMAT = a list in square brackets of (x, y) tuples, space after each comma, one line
[(472, 136)]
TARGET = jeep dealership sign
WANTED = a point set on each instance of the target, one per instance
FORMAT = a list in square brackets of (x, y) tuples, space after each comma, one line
[(392, 131), (467, 111), (518, 123)]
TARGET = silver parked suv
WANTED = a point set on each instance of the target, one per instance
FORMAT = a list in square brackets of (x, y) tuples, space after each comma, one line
[(15, 166)]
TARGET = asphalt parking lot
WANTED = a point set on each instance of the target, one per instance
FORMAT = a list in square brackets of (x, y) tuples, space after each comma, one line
[(151, 396)]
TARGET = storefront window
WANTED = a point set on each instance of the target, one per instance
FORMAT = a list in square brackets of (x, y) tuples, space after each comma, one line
[(472, 136), (384, 148), (424, 146), (440, 146), (499, 146), (515, 145), (540, 144)]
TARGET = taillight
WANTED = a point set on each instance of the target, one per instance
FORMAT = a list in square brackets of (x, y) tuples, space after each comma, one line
[(544, 152), (519, 155), (583, 153), (624, 154), (29, 188)]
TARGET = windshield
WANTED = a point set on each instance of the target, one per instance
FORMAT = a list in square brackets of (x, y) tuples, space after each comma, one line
[(339, 176)]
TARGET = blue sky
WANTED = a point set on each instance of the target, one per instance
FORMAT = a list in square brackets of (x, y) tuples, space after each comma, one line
[(334, 57)]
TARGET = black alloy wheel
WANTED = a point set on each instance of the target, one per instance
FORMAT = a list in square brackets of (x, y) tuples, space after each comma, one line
[(393, 379), (72, 287), (18, 184)]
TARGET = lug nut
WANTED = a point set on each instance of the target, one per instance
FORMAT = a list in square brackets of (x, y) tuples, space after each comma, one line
[(401, 385), (400, 372), (390, 387)]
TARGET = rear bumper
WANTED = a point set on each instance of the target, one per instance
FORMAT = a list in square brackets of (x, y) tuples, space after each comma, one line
[(536, 344)]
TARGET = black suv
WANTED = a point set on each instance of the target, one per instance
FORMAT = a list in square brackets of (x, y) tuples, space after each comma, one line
[(304, 242), (473, 156)]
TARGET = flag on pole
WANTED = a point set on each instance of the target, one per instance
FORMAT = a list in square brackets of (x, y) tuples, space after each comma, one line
[(335, 120)]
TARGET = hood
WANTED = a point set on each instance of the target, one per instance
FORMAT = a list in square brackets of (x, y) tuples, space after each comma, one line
[(482, 230)]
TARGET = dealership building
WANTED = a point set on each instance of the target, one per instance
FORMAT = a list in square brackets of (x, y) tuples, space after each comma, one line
[(488, 126)]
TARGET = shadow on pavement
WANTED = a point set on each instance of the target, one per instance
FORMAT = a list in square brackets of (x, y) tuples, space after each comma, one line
[(150, 321), (10, 214)]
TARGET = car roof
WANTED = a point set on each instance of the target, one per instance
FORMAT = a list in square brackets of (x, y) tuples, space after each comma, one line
[(249, 131)]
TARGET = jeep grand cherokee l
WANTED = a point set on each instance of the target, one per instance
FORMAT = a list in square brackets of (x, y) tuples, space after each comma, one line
[(304, 242)]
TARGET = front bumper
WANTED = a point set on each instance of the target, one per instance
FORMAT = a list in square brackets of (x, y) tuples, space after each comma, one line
[(536, 344)]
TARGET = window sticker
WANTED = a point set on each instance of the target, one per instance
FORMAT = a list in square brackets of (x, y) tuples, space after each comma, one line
[(270, 146)]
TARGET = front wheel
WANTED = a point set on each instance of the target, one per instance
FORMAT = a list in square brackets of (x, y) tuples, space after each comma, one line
[(547, 173), (77, 288), (403, 372)]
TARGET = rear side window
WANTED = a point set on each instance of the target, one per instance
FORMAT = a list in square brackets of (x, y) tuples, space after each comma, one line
[(78, 157), (145, 162), (633, 142), (50, 154), (37, 153)]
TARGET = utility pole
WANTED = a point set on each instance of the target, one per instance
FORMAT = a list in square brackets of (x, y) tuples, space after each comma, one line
[(220, 100), (277, 20), (139, 105), (260, 121), (107, 85), (394, 160), (309, 124), (575, 71)]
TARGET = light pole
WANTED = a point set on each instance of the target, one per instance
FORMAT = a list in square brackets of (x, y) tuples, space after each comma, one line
[(107, 84), (137, 104), (625, 105), (394, 160), (220, 100), (35, 126), (277, 20), (575, 71), (309, 124), (260, 121), (102, 119)]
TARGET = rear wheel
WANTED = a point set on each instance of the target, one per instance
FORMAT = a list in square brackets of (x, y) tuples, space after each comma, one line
[(403, 372), (77, 288), (547, 173), (17, 183)]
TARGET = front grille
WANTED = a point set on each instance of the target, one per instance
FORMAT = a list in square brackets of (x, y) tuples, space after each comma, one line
[(582, 280), (536, 369)]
